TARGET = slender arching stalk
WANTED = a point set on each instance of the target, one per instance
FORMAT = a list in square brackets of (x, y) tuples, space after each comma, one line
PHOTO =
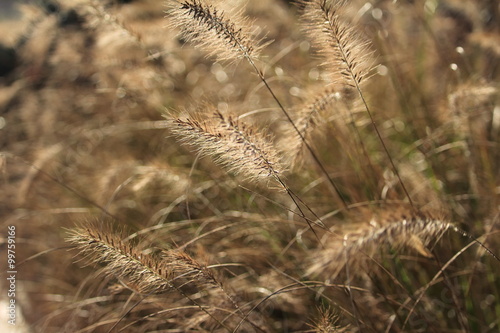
[(228, 40)]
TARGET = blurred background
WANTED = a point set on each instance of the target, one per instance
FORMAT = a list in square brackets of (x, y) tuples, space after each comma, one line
[(84, 86)]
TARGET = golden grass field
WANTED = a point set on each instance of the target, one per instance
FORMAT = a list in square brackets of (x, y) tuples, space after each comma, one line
[(250, 166)]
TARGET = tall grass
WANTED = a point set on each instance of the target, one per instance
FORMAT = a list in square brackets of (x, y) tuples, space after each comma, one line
[(211, 166)]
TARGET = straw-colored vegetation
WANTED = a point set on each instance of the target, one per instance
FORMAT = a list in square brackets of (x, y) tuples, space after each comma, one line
[(253, 166)]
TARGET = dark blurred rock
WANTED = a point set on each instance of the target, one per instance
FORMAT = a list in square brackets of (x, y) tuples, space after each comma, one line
[(8, 60), (50, 6), (70, 17)]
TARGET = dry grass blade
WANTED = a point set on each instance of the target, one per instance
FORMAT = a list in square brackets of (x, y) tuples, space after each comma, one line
[(232, 143)]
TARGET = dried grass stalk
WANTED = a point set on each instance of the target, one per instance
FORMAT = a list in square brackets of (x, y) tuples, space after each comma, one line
[(346, 53)]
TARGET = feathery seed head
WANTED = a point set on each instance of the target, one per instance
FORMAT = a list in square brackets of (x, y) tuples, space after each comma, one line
[(412, 230), (328, 322), (310, 116), (227, 35), (143, 273), (345, 53), (232, 143)]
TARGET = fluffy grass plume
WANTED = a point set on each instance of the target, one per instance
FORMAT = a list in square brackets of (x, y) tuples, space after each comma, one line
[(231, 143), (228, 36), (345, 53), (357, 248), (309, 118), (144, 273)]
